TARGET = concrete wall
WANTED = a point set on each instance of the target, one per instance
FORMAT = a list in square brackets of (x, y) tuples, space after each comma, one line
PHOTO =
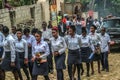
[(59, 5), (4, 17)]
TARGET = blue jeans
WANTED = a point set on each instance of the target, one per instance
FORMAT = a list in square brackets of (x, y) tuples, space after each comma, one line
[(104, 60)]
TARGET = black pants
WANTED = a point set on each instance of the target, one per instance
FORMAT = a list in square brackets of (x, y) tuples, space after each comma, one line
[(34, 77), (30, 66), (25, 71), (50, 60), (2, 74), (60, 75), (70, 72)]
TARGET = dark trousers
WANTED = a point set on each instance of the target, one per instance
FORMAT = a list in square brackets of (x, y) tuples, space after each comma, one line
[(2, 74), (50, 60), (30, 66), (104, 60), (25, 71), (60, 75), (34, 77), (70, 72)]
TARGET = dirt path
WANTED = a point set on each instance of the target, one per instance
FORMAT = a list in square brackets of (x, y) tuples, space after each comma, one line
[(114, 74)]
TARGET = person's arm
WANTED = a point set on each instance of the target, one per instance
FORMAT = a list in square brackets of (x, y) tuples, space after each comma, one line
[(47, 51), (12, 48), (64, 47), (26, 50)]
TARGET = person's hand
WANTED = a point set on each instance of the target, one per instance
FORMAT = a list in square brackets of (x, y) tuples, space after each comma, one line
[(56, 53), (29, 45), (109, 52), (25, 61), (33, 59), (12, 64)]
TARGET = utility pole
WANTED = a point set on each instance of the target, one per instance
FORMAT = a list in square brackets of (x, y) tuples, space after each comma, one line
[(3, 3), (105, 4)]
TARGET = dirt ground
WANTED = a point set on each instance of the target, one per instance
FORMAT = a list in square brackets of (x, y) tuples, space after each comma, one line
[(113, 74)]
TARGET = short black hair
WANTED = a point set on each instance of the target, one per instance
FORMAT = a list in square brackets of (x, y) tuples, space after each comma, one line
[(94, 27), (84, 30), (5, 29), (26, 30), (73, 27), (34, 30), (39, 32), (19, 30)]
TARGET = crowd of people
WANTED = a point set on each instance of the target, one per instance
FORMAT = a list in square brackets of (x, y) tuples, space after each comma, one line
[(34, 51)]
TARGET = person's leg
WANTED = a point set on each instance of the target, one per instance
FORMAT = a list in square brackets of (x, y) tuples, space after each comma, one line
[(50, 60), (26, 72), (46, 77), (30, 65), (34, 77), (102, 61), (15, 73), (81, 66), (74, 70), (92, 68), (106, 61), (70, 71), (78, 71), (60, 74), (98, 66), (88, 69), (20, 75), (2, 74)]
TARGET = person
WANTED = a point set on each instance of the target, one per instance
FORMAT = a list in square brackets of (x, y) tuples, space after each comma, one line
[(46, 35), (21, 49), (59, 18), (96, 23), (74, 58), (33, 31), (78, 26), (105, 49), (89, 23), (13, 34), (62, 28), (96, 41), (2, 72), (30, 39), (50, 25), (58, 49), (40, 51), (9, 59), (86, 47)]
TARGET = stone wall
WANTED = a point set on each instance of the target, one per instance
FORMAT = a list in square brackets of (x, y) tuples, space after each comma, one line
[(4, 17), (24, 16)]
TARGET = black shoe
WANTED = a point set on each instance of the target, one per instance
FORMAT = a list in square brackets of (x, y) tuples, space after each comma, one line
[(88, 75), (92, 73), (103, 69), (51, 71), (82, 72), (107, 70)]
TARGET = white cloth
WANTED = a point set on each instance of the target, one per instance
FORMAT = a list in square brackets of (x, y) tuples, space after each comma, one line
[(58, 44), (86, 42), (9, 46), (40, 47), (105, 39), (73, 43), (21, 46)]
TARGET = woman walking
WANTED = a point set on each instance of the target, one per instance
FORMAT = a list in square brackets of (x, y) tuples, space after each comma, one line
[(58, 49), (9, 58), (40, 51), (74, 58), (86, 47), (95, 39), (22, 52)]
